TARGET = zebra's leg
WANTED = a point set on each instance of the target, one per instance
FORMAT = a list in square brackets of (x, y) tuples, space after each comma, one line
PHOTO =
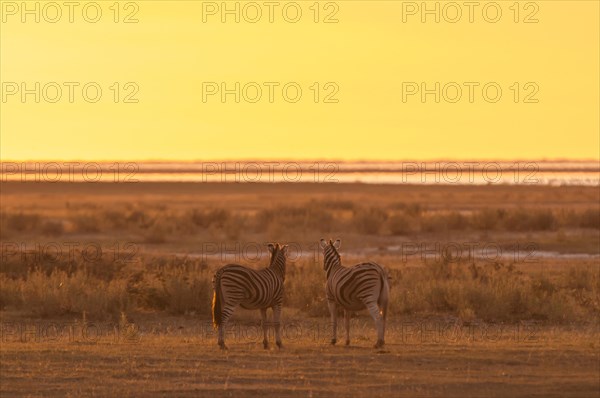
[(333, 313), (383, 307), (347, 324), (376, 315), (277, 319), (220, 338), (263, 314), (384, 298), (226, 314)]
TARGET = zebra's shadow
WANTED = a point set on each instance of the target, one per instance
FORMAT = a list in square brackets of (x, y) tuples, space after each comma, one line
[(355, 348)]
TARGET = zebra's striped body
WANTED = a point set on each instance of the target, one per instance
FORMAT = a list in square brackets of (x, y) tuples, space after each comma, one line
[(350, 288), (364, 285), (235, 285)]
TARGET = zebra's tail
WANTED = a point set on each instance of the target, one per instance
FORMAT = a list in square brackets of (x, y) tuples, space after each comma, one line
[(216, 301), (385, 279), (388, 279)]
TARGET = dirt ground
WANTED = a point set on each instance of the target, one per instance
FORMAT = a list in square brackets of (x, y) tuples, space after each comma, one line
[(180, 358)]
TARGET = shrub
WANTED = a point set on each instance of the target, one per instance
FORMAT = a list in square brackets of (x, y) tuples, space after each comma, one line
[(157, 234), (411, 209), (368, 220), (10, 293), (444, 222), (590, 219), (187, 292), (137, 217), (60, 293), (234, 226), (115, 219), (52, 228), (305, 289), (208, 218), (335, 204), (487, 219), (310, 217), (86, 223), (433, 223), (529, 220), (580, 278), (400, 224), (456, 221), (22, 221)]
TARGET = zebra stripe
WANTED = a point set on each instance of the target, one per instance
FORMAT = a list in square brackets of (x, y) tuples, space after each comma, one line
[(365, 285), (235, 285)]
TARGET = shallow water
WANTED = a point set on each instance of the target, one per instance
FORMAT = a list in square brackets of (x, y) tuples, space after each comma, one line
[(390, 172)]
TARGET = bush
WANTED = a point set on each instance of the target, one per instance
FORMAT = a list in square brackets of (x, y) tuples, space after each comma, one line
[(305, 289), (335, 204), (456, 221), (369, 220), (234, 226), (115, 219), (156, 235), (529, 220), (400, 224), (210, 218), (487, 219), (433, 224), (60, 293), (590, 219), (495, 292), (411, 209), (22, 221), (310, 217), (53, 228), (542, 220), (86, 223), (10, 293), (444, 222), (137, 217), (581, 279), (187, 293)]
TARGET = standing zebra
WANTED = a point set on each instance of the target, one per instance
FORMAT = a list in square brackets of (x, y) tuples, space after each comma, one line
[(354, 288), (237, 285)]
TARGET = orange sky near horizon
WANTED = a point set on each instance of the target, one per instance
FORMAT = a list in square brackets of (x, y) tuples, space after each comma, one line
[(324, 80)]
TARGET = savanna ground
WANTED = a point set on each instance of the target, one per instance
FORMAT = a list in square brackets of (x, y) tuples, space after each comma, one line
[(105, 289)]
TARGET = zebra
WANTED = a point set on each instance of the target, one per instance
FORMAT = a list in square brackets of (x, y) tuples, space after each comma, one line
[(354, 288), (235, 285)]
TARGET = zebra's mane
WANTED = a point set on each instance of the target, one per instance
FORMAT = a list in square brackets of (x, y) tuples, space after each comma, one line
[(274, 254), (277, 263), (335, 252)]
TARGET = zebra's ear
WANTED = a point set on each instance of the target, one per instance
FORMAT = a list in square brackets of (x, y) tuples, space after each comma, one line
[(284, 249), (323, 243), (271, 248), (337, 244)]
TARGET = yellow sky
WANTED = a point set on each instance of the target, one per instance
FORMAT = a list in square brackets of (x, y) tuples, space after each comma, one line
[(370, 57)]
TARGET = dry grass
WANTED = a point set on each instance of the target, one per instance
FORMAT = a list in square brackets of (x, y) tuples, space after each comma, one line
[(303, 219), (154, 279), (176, 360), (486, 291), (159, 283)]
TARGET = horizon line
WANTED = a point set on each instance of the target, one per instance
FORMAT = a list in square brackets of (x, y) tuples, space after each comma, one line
[(305, 160)]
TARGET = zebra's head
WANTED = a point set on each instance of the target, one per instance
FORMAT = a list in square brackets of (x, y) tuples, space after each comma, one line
[(331, 257), (278, 257)]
